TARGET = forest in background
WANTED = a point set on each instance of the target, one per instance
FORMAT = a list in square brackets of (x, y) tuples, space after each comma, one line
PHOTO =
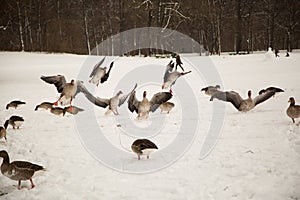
[(78, 26)]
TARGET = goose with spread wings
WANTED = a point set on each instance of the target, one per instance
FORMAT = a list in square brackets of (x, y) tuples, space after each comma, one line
[(99, 74), (171, 76), (245, 105), (67, 90), (113, 102), (145, 106)]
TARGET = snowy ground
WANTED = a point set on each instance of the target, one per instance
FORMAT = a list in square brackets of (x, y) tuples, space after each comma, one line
[(256, 156)]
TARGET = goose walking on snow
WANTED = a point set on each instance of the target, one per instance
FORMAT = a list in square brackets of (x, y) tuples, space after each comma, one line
[(18, 170), (167, 107), (244, 105), (44, 105), (58, 111), (112, 103), (293, 111), (3, 133), (171, 76), (145, 106), (15, 121), (99, 74), (143, 147), (210, 89), (68, 90), (14, 104)]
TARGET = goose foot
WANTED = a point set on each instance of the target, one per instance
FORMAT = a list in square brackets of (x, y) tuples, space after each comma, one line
[(55, 103), (32, 185)]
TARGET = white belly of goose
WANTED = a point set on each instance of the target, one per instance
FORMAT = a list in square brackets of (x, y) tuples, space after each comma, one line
[(18, 123)]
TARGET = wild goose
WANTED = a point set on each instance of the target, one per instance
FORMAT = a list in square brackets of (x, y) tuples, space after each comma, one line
[(75, 110), (167, 107), (112, 103), (14, 104), (145, 106), (244, 105), (44, 105), (3, 133), (99, 74), (270, 88), (171, 76), (210, 89), (57, 111), (68, 90), (293, 111), (15, 121), (143, 147), (18, 170)]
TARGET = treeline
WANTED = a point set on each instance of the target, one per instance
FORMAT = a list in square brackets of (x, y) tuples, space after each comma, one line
[(78, 26)]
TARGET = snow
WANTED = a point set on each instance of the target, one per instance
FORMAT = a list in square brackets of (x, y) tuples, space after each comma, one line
[(256, 155)]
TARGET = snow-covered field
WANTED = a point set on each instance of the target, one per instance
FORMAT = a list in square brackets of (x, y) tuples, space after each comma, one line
[(257, 155)]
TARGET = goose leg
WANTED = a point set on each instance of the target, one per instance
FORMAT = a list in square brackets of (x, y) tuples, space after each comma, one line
[(19, 185), (32, 185), (71, 108), (139, 157), (56, 103), (148, 156), (293, 120)]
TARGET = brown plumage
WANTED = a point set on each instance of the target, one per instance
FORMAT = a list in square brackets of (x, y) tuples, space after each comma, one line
[(143, 147), (44, 105), (15, 121), (167, 107), (57, 111), (18, 170), (3, 133), (293, 111), (14, 104)]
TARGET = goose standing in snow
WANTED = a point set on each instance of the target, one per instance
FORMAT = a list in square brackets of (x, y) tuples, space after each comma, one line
[(293, 111), (57, 111), (167, 107), (113, 102), (75, 110), (3, 133), (244, 105), (99, 74), (44, 105), (145, 106), (15, 121), (143, 147), (171, 76), (14, 104), (68, 90), (18, 170), (210, 89)]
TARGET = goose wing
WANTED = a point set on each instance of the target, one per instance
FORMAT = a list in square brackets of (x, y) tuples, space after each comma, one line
[(101, 102), (232, 97), (133, 103), (96, 67), (158, 99), (266, 94), (59, 81), (105, 77), (142, 144), (123, 98)]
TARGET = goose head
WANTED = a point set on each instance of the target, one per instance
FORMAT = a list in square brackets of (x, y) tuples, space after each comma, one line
[(249, 93), (145, 94), (4, 155), (218, 87), (72, 82), (291, 101), (119, 93)]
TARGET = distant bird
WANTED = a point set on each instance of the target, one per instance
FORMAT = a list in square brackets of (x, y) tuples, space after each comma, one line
[(3, 133), (68, 90), (14, 104), (210, 89), (18, 170), (244, 105), (112, 103), (15, 121), (57, 111), (167, 107), (143, 147), (99, 74), (171, 76), (145, 106), (293, 111), (75, 110), (44, 105)]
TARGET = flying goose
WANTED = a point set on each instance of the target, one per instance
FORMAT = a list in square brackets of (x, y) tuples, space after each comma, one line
[(14, 104), (18, 170), (3, 133), (145, 106), (171, 76), (112, 103), (143, 147), (15, 121), (210, 89), (75, 110), (167, 107), (244, 105), (44, 105), (293, 111), (99, 74), (67, 90)]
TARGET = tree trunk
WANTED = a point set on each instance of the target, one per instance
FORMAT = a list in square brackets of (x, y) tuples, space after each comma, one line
[(238, 27), (20, 27)]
